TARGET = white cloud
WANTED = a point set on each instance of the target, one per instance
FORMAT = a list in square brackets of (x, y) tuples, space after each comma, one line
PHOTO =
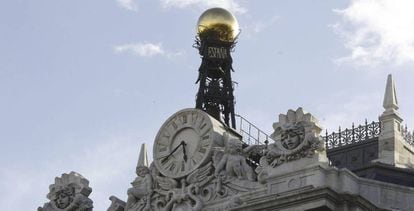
[(141, 49), (147, 49), (254, 28), (128, 4), (377, 32), (231, 5)]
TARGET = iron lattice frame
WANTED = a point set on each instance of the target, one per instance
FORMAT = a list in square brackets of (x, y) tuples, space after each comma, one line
[(215, 93)]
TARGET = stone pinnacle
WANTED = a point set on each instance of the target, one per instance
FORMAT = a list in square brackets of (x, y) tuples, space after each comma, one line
[(390, 96), (143, 157)]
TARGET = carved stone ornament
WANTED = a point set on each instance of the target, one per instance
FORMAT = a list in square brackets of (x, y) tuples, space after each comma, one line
[(226, 176), (69, 193), (232, 162), (139, 196), (198, 164), (199, 189), (296, 136)]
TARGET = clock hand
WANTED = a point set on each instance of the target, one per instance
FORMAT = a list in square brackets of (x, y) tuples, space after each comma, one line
[(184, 152), (172, 152)]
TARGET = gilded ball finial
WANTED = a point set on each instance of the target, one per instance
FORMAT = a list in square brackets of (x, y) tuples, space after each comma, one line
[(218, 23)]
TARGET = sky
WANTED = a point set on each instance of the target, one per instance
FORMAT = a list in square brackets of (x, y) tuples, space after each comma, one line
[(83, 83)]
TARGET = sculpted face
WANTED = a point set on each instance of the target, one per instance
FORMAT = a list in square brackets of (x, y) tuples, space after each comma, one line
[(64, 197), (290, 140), (63, 200)]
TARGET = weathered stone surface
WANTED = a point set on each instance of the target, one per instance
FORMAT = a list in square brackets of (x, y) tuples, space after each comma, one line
[(296, 190), (69, 193), (390, 95), (116, 204)]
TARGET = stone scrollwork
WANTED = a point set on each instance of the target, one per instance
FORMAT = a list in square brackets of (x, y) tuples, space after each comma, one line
[(296, 136), (69, 193)]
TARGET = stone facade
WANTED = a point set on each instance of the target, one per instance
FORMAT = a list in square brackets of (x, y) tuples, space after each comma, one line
[(292, 175), (292, 171)]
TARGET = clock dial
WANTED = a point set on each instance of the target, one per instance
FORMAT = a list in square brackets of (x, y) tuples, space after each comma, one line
[(183, 143)]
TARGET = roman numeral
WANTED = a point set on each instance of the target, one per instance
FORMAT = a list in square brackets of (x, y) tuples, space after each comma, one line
[(184, 118), (168, 164), (202, 150), (165, 163), (163, 141), (205, 143), (174, 125), (172, 166), (203, 125), (166, 134), (198, 156), (194, 117), (182, 166), (193, 161), (200, 123), (162, 149)]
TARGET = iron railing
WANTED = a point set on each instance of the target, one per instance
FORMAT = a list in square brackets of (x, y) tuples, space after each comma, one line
[(251, 134), (351, 136)]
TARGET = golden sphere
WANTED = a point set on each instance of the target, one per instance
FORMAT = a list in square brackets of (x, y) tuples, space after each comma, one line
[(217, 23)]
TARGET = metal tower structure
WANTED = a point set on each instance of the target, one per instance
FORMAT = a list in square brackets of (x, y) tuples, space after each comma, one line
[(216, 38)]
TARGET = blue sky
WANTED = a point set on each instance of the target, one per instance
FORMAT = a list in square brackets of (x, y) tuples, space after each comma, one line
[(84, 82)]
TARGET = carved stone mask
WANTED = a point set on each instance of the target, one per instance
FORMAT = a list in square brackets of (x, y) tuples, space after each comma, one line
[(64, 197), (290, 140), (291, 135)]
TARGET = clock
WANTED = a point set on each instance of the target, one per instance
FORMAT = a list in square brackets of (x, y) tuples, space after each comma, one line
[(185, 141)]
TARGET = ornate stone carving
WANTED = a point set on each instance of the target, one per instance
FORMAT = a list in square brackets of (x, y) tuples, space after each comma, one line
[(69, 193), (139, 196), (231, 162), (200, 188), (170, 197), (296, 136)]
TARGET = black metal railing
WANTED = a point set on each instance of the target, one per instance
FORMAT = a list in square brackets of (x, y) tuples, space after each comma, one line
[(407, 135), (251, 134), (354, 135)]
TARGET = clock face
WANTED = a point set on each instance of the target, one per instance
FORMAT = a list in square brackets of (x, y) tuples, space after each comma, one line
[(183, 143)]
